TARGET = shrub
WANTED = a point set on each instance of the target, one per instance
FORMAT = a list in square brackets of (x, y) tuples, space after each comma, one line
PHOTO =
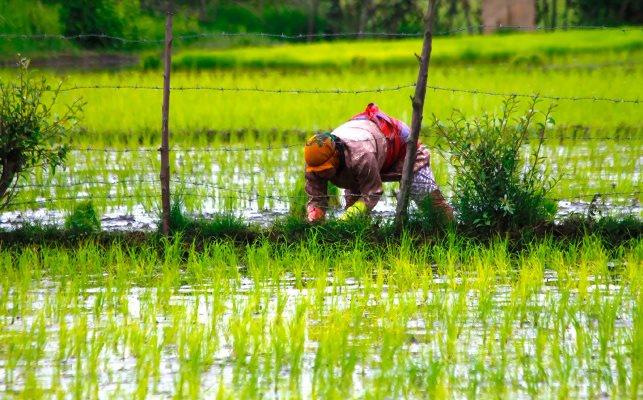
[(497, 186), (32, 133), (92, 17), (84, 219), (285, 20)]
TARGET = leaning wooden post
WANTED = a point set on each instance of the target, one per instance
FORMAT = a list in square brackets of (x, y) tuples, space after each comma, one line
[(416, 122), (165, 140)]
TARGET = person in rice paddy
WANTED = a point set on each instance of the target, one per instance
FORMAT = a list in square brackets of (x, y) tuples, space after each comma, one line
[(358, 156)]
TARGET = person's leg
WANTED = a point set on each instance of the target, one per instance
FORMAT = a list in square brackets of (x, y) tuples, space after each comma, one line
[(424, 185)]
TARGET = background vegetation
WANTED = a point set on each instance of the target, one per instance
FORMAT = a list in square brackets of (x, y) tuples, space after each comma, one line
[(144, 18)]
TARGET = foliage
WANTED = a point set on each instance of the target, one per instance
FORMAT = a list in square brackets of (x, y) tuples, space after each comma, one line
[(217, 226), (178, 220), (32, 133), (495, 187), (84, 219), (29, 17), (298, 199), (609, 12), (81, 17), (428, 219)]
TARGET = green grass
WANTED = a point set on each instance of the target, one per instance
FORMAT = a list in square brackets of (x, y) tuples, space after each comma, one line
[(517, 47), (448, 319), (128, 116)]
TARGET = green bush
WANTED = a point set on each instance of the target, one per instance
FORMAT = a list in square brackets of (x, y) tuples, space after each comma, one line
[(84, 219), (497, 186), (428, 219), (29, 17), (92, 17), (286, 20), (32, 135)]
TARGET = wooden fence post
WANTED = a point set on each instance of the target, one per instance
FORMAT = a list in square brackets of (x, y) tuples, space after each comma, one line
[(165, 141), (416, 122)]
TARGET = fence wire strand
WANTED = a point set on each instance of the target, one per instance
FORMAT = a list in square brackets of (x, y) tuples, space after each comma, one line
[(342, 91), (308, 36)]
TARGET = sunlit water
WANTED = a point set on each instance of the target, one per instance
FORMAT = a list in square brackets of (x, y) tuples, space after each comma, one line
[(119, 367)]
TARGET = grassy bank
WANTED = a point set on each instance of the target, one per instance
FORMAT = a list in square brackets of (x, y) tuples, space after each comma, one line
[(612, 231)]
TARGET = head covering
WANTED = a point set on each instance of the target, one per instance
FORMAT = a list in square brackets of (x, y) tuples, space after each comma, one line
[(320, 153)]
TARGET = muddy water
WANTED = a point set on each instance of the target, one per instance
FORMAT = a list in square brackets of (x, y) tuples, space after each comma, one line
[(138, 218), (119, 366)]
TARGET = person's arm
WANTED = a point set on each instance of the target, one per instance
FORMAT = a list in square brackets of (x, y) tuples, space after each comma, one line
[(317, 190)]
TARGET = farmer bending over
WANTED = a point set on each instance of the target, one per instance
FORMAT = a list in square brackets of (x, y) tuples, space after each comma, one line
[(358, 156)]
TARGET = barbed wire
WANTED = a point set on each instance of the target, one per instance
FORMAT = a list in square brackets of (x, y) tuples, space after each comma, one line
[(354, 91), (211, 185), (270, 147), (241, 89), (301, 36), (534, 95), (86, 183)]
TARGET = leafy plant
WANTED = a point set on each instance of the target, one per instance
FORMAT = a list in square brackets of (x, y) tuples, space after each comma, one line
[(97, 18), (84, 219), (497, 185), (427, 218), (32, 134)]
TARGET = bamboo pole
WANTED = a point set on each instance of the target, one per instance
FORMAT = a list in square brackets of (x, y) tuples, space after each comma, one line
[(416, 123), (165, 141)]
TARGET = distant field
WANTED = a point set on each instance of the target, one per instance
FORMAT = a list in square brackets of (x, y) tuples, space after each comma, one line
[(601, 63), (122, 116), (532, 48)]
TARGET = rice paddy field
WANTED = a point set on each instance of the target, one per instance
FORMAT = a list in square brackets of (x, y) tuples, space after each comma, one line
[(237, 140), (444, 318)]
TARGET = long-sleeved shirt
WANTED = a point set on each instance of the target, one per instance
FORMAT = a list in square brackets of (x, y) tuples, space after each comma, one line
[(361, 177)]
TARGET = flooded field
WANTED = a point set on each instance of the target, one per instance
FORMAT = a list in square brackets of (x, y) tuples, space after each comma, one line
[(260, 183), (448, 320)]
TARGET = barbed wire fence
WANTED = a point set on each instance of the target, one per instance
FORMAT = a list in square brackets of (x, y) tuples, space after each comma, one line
[(306, 36), (250, 195)]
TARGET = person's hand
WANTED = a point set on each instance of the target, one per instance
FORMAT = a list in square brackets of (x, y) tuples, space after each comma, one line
[(315, 214), (358, 208)]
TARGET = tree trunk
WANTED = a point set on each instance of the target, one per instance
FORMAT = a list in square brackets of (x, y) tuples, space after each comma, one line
[(203, 10), (364, 12), (545, 14), (466, 7), (554, 13), (566, 14), (416, 119), (335, 16), (312, 17), (452, 11), (10, 168)]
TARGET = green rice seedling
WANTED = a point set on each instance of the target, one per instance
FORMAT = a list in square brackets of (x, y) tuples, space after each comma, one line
[(83, 219), (360, 320)]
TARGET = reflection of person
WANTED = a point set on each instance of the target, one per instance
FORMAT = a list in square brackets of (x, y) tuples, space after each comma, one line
[(358, 156)]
